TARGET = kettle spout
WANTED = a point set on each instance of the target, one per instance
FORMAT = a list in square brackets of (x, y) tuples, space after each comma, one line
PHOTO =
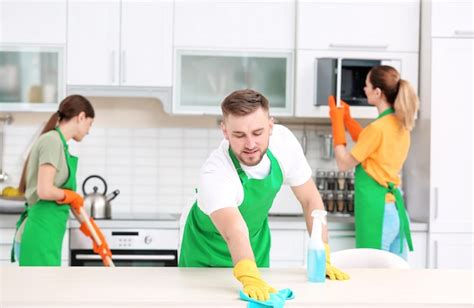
[(112, 195)]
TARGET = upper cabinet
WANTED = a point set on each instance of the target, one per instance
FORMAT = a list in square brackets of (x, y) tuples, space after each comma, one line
[(358, 25), (33, 22), (31, 78), (120, 43), (235, 25), (452, 18), (205, 78)]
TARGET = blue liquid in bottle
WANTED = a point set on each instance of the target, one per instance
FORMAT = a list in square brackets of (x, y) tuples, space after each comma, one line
[(316, 265)]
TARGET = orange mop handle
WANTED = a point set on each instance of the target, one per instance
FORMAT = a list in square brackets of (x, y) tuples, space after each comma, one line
[(95, 237)]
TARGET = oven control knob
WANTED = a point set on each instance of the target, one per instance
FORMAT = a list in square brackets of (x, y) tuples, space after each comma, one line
[(148, 239)]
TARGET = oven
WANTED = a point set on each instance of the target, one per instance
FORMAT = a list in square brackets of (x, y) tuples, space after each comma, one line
[(130, 247)]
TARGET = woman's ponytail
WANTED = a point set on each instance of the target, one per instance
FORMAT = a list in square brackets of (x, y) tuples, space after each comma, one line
[(406, 104)]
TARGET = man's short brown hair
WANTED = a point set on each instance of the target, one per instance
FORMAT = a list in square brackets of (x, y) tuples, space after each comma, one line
[(243, 102)]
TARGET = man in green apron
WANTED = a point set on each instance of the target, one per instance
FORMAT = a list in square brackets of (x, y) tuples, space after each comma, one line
[(227, 226)]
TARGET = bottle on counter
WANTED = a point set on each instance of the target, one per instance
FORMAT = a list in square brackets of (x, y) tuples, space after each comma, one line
[(321, 179), (350, 202), (331, 180), (350, 180), (316, 251), (341, 180), (330, 202), (340, 202)]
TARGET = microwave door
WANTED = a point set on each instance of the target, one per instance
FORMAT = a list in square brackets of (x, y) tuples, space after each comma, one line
[(325, 80)]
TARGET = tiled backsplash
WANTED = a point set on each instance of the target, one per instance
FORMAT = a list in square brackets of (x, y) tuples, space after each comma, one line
[(155, 169)]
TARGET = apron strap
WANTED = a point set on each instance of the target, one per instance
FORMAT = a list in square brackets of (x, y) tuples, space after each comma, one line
[(22, 218), (402, 217)]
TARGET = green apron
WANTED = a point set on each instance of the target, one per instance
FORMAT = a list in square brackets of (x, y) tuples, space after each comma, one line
[(370, 207), (203, 245), (42, 238)]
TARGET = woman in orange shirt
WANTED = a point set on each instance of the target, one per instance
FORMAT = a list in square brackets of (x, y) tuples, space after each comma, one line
[(381, 148)]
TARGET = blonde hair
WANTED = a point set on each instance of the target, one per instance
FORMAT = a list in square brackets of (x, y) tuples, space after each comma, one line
[(398, 92)]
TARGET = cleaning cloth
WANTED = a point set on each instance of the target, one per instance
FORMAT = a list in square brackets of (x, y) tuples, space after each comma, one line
[(276, 300)]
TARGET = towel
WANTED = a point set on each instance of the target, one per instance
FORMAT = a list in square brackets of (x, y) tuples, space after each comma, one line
[(277, 300)]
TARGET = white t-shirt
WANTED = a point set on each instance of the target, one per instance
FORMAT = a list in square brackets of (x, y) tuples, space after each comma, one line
[(219, 184)]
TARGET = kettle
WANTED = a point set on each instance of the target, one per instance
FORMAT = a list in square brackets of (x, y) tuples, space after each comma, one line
[(97, 204)]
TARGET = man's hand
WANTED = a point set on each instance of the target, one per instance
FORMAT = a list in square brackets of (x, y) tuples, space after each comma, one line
[(332, 272), (247, 273)]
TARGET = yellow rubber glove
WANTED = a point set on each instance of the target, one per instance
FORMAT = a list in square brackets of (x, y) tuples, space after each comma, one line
[(332, 272), (352, 125), (337, 122), (247, 273)]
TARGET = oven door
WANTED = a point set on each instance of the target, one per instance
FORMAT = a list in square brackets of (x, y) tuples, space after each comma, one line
[(125, 257)]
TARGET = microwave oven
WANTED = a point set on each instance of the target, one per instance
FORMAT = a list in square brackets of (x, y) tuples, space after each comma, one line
[(344, 78)]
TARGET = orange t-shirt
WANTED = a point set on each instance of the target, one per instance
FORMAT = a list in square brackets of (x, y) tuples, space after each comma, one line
[(382, 148)]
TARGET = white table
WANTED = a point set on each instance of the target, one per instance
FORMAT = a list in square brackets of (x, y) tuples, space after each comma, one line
[(173, 287)]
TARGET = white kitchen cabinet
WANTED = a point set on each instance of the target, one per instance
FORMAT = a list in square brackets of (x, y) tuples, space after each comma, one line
[(358, 25), (288, 248), (452, 18), (451, 251), (418, 257), (31, 78), (451, 115), (205, 78), (120, 43), (235, 25), (341, 239), (306, 78), (33, 22)]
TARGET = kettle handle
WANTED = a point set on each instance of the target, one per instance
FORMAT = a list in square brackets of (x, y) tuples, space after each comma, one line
[(90, 177)]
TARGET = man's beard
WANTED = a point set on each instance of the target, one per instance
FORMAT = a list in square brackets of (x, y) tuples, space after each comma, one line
[(250, 162)]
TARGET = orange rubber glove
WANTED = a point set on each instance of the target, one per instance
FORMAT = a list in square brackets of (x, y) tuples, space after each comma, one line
[(337, 122), (73, 199), (247, 273), (332, 272), (103, 249), (352, 125)]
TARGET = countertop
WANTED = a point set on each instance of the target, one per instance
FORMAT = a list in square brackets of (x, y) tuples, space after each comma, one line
[(193, 287), (276, 222)]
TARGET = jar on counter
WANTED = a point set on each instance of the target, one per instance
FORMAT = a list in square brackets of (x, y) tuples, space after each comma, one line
[(350, 202), (350, 180), (321, 179), (340, 202), (341, 180), (331, 180), (330, 202)]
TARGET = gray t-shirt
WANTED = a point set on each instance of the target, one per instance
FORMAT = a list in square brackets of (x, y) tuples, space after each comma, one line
[(48, 149)]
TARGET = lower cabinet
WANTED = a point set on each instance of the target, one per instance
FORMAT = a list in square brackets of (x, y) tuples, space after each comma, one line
[(451, 250), (289, 247)]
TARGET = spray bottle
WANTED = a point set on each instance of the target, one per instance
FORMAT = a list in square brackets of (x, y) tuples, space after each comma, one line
[(316, 250)]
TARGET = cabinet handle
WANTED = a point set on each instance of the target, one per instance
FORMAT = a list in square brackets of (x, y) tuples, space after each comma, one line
[(112, 66), (435, 254), (435, 197), (124, 65), (464, 32), (347, 46), (339, 82)]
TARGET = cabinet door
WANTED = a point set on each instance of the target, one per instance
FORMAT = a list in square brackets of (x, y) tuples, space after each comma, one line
[(93, 42), (451, 116), (288, 248), (340, 240), (452, 18), (418, 257), (451, 251), (235, 25), (146, 43), (358, 25), (33, 22)]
